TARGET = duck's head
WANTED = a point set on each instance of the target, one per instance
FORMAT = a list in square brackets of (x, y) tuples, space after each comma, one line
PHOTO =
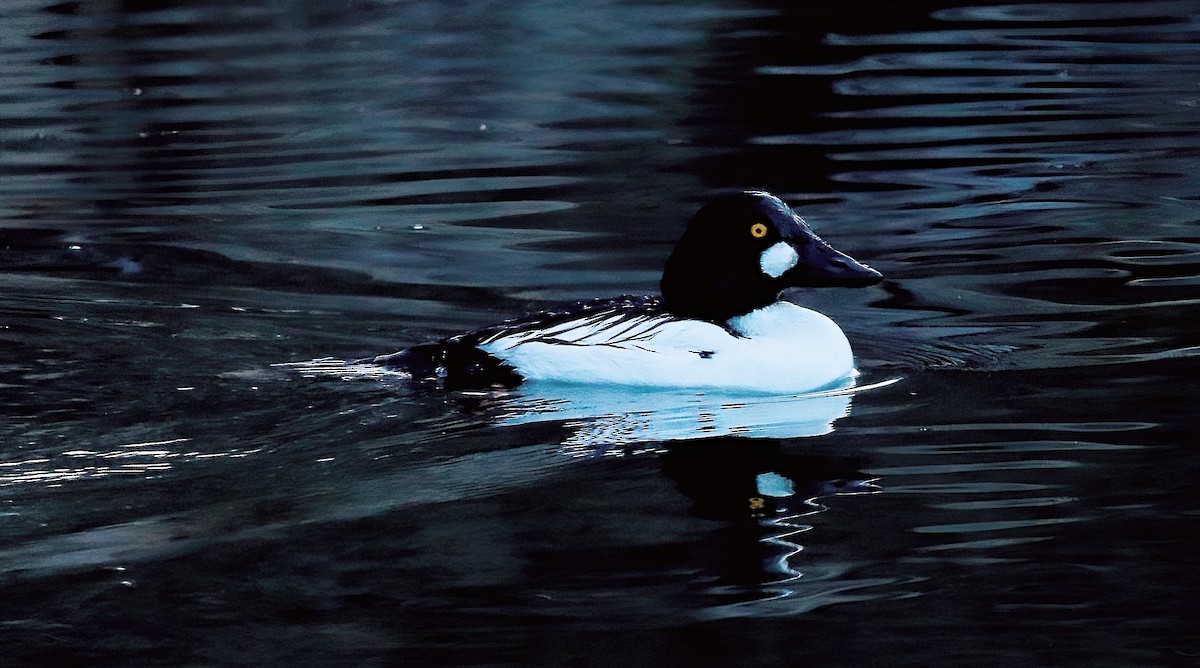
[(741, 250)]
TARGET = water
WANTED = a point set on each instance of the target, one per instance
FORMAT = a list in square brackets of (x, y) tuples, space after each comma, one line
[(194, 193)]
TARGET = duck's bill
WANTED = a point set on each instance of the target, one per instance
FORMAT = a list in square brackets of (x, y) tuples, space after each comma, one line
[(821, 265)]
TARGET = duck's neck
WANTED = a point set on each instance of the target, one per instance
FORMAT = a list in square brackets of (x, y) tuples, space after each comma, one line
[(761, 319), (696, 285)]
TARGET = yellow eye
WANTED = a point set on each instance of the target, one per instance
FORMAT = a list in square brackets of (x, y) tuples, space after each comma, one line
[(758, 230)]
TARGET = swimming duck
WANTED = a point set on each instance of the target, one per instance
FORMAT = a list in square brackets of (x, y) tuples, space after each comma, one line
[(720, 323)]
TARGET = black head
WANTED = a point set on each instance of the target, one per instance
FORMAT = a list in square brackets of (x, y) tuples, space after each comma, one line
[(740, 251)]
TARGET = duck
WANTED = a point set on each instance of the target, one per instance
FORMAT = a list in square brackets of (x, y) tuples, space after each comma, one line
[(719, 324)]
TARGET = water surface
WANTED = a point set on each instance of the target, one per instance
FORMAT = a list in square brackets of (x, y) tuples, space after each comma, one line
[(194, 194)]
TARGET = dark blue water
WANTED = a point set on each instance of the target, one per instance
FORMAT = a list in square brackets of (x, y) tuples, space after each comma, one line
[(192, 194)]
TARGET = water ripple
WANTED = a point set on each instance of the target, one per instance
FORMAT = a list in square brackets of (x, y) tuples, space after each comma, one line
[(192, 192)]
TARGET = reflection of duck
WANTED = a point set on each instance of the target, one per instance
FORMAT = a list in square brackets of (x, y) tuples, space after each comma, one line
[(763, 492), (611, 415), (739, 479), (719, 324)]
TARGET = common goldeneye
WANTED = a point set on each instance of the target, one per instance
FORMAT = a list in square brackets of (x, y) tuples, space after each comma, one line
[(719, 324)]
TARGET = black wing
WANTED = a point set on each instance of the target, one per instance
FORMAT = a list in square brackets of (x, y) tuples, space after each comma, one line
[(457, 363), (616, 313)]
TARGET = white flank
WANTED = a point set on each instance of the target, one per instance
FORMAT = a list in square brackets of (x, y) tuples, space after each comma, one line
[(777, 259), (782, 348)]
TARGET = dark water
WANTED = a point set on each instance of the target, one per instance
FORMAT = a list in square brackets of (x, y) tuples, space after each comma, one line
[(191, 193)]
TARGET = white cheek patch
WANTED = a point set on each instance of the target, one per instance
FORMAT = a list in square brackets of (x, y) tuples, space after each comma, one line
[(777, 259), (773, 484)]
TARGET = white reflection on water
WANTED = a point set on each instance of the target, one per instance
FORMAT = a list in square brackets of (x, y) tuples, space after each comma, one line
[(789, 587), (136, 459), (614, 415)]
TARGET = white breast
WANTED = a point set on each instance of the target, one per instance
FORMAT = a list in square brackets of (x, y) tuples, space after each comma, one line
[(782, 348)]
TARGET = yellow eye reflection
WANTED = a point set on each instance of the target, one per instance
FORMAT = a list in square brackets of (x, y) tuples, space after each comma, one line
[(758, 230)]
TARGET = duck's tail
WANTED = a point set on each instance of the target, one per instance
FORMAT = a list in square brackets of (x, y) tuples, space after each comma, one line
[(452, 365)]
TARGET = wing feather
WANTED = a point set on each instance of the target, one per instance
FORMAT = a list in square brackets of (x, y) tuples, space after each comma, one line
[(600, 322)]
